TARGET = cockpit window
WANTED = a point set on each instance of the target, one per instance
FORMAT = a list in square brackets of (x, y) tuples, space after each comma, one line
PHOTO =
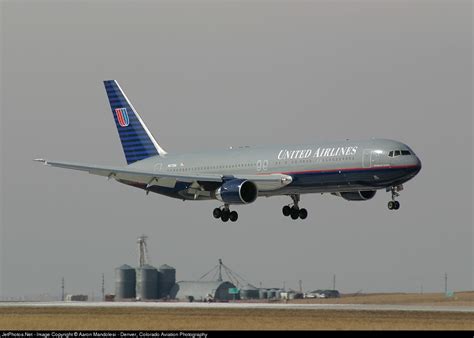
[(394, 153)]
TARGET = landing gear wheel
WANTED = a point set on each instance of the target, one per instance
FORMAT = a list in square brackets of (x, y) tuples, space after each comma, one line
[(303, 213), (233, 216), (394, 205), (286, 210), (217, 213), (225, 215), (295, 213)]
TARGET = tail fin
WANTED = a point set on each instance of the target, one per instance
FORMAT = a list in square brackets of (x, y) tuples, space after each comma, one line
[(137, 141)]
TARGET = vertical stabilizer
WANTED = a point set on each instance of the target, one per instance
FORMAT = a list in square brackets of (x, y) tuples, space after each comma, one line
[(137, 141)]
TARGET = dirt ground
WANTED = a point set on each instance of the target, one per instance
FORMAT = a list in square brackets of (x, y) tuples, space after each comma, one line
[(126, 318), (435, 299), (226, 319)]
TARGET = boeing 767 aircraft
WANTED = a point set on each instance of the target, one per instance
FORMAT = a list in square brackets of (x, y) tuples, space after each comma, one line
[(353, 170)]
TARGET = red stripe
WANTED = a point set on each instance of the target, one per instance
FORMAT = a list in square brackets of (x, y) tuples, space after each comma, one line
[(120, 117)]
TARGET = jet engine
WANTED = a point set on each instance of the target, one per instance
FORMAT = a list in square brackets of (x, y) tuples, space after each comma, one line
[(237, 191), (362, 195)]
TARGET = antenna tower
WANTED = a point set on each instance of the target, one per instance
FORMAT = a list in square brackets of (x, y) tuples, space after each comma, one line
[(216, 273), (142, 250), (219, 279)]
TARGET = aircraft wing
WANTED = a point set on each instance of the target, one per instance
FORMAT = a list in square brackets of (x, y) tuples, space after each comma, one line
[(263, 182)]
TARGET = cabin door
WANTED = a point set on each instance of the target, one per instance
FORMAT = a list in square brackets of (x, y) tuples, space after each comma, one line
[(366, 158)]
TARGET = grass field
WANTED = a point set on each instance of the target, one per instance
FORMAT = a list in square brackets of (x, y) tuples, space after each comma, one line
[(226, 319), (436, 299), (126, 318)]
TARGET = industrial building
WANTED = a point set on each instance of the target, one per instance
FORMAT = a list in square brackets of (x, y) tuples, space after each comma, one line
[(148, 283), (202, 291)]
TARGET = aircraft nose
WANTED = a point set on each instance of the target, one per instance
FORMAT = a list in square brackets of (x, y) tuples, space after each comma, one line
[(417, 163)]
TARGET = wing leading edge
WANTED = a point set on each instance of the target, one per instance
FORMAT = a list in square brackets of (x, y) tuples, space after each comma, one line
[(263, 182)]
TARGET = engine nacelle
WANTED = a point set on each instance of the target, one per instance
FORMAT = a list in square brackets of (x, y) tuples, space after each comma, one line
[(237, 192), (362, 195)]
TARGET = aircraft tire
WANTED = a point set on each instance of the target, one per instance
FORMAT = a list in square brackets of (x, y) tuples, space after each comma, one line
[(217, 213), (233, 216), (303, 213), (295, 213), (391, 205), (286, 210), (225, 215), (397, 205)]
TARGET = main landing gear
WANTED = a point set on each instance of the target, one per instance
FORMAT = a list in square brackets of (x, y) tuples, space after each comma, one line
[(394, 205), (295, 211), (225, 214)]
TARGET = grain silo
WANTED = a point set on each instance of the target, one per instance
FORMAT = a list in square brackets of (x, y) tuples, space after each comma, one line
[(147, 282), (125, 279), (166, 280)]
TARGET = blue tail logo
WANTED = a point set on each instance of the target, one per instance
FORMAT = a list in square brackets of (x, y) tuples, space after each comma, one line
[(137, 141), (122, 117)]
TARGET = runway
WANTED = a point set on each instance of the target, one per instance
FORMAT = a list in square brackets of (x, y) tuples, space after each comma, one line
[(261, 306)]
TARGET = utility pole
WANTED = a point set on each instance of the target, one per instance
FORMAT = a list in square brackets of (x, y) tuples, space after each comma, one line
[(445, 283), (62, 289), (103, 287), (334, 282), (301, 285)]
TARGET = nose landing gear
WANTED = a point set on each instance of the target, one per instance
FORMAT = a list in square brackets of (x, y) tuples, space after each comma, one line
[(294, 211), (225, 214), (393, 204)]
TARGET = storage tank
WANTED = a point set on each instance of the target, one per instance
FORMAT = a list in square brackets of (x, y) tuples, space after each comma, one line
[(147, 282), (263, 294), (125, 279), (166, 280), (249, 292), (271, 294)]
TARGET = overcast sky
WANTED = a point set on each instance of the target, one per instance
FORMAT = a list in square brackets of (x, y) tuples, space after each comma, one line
[(212, 74)]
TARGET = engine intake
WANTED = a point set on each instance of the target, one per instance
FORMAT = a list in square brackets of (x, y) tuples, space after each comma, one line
[(362, 195), (237, 192)]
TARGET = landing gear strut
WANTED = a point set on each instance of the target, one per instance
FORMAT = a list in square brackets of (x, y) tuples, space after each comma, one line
[(294, 211), (225, 214), (393, 204)]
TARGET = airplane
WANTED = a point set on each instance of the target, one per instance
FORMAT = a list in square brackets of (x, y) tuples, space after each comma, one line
[(351, 169)]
